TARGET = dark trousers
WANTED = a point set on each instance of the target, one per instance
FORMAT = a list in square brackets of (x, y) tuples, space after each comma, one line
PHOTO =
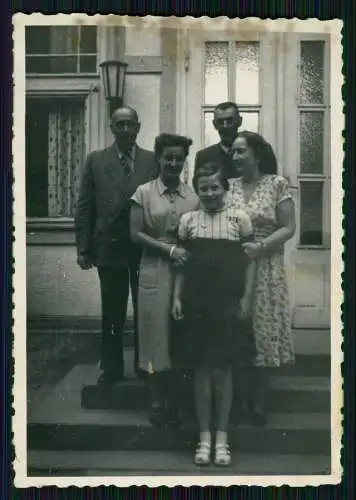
[(115, 283)]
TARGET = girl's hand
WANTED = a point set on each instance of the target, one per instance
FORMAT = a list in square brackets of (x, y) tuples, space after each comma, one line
[(179, 256), (177, 310), (253, 250), (245, 307)]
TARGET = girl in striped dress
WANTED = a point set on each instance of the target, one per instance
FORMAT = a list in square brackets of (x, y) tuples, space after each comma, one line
[(212, 302)]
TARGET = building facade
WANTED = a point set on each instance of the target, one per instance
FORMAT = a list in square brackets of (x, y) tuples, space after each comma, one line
[(281, 82)]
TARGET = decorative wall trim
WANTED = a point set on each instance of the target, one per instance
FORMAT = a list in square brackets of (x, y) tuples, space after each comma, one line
[(70, 323), (61, 85), (53, 223), (50, 231), (168, 80), (138, 65)]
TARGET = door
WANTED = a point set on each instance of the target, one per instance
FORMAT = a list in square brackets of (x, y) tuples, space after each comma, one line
[(307, 138), (275, 78)]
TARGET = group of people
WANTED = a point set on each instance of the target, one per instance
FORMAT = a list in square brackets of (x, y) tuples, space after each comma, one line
[(205, 265)]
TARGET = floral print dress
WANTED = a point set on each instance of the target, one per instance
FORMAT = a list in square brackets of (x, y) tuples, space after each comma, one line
[(271, 315)]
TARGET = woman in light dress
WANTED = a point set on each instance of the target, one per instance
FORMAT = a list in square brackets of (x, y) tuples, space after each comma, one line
[(155, 213), (265, 197)]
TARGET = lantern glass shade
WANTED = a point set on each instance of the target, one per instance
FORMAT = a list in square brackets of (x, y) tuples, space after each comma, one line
[(113, 75)]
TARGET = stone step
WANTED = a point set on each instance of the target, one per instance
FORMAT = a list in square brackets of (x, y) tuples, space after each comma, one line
[(128, 430), (287, 394), (59, 422), (290, 390), (305, 366), (168, 463)]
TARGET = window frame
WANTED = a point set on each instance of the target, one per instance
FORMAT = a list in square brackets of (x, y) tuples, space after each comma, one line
[(325, 177), (77, 54), (293, 106), (46, 87), (265, 108)]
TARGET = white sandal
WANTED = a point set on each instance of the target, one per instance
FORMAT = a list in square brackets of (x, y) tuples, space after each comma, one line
[(202, 454), (222, 455)]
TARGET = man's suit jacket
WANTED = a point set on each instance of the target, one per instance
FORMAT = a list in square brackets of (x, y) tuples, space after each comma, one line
[(102, 218), (216, 154)]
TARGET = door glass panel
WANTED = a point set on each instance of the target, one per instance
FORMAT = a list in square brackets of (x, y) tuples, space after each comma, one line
[(247, 59), (216, 72), (311, 212), (249, 121), (210, 134), (312, 72), (311, 142)]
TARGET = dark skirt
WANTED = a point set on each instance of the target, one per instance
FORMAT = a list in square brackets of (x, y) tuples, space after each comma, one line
[(211, 334)]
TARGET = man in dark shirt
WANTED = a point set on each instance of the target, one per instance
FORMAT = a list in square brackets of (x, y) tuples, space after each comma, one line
[(109, 179), (227, 121)]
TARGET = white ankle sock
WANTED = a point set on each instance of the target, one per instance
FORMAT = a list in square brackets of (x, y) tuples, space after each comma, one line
[(221, 438), (205, 437)]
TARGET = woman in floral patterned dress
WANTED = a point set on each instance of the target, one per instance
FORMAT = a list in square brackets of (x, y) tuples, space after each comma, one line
[(265, 197)]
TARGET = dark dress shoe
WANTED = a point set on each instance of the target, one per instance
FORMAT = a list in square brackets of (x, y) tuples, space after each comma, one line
[(157, 417), (242, 417), (109, 378), (258, 419), (173, 419), (140, 374)]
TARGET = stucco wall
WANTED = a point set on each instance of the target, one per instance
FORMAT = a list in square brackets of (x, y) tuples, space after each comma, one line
[(56, 286)]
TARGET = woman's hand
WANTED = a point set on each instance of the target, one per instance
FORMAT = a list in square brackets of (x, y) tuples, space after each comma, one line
[(245, 307), (177, 310), (253, 250), (179, 256)]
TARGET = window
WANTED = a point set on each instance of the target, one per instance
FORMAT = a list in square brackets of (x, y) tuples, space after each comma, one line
[(61, 50), (314, 170), (55, 148), (232, 73)]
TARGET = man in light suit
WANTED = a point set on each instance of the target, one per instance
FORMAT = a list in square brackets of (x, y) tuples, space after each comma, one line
[(227, 120), (110, 177)]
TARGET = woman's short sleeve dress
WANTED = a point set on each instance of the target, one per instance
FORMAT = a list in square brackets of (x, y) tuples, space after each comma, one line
[(271, 309), (161, 214)]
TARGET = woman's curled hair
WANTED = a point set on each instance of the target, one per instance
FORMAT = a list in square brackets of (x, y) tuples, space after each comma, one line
[(262, 150), (208, 169), (171, 140)]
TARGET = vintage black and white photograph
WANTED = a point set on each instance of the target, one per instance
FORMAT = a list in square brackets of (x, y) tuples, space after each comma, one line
[(178, 254)]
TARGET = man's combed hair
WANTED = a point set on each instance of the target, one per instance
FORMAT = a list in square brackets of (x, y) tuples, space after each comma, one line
[(171, 140), (207, 170), (223, 106), (126, 108)]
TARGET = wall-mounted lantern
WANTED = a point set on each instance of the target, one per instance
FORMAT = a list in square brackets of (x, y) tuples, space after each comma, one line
[(113, 75)]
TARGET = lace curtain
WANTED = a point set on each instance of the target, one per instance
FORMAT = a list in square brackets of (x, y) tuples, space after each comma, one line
[(66, 143)]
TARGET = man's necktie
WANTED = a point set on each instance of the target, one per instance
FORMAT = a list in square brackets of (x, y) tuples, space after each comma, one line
[(125, 162)]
